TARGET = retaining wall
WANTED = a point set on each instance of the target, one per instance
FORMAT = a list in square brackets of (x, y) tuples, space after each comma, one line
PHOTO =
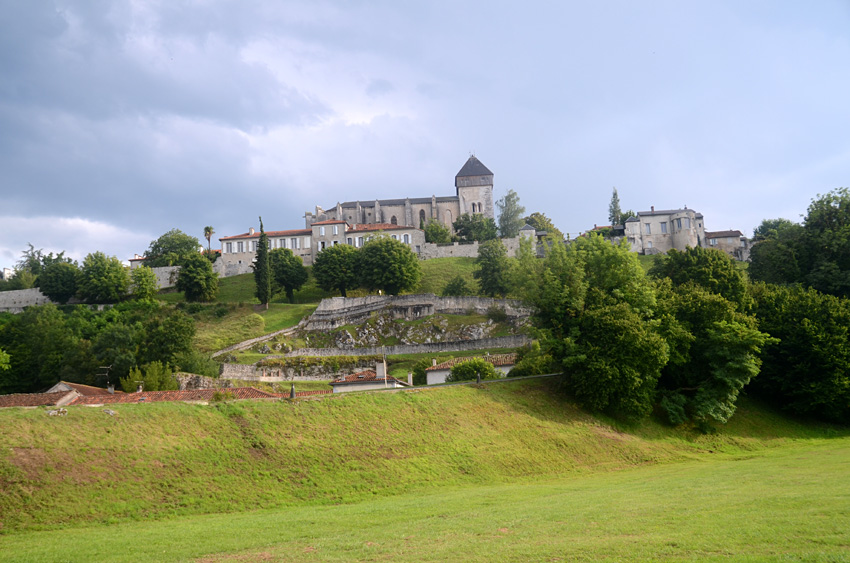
[(15, 301), (295, 373), (432, 348), (458, 250), (338, 311)]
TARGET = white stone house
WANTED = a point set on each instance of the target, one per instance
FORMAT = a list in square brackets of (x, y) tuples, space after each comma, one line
[(438, 373), (654, 232)]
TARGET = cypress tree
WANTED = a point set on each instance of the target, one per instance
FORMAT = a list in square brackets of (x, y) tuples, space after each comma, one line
[(262, 271), (614, 214)]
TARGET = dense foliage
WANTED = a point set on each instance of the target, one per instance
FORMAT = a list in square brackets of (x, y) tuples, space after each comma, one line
[(102, 279), (471, 370), (58, 281), (437, 233), (492, 268), (47, 344), (456, 287), (143, 283), (288, 272), (510, 215), (171, 249), (709, 268), (197, 280), (388, 265), (472, 227), (335, 268)]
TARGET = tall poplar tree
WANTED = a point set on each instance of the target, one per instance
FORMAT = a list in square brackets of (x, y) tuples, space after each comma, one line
[(510, 215), (262, 269), (615, 216)]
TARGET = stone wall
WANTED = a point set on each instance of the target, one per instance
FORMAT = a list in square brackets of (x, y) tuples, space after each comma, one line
[(432, 348), (295, 373), (458, 250), (15, 301), (166, 276), (339, 311)]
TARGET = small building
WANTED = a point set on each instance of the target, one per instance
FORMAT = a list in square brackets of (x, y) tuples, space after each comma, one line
[(733, 243), (438, 373), (368, 380)]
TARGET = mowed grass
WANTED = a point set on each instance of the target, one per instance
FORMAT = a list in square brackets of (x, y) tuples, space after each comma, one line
[(162, 460), (436, 273), (786, 504), (240, 323)]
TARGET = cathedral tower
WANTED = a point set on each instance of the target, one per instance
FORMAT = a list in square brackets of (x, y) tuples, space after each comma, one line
[(474, 184)]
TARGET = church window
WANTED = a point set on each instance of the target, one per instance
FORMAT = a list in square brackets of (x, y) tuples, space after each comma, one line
[(421, 217), (473, 208), (480, 207), (394, 221)]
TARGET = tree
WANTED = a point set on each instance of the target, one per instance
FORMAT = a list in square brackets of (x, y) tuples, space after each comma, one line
[(208, 233), (157, 377), (35, 260), (492, 268), (470, 228), (807, 370), (709, 268), (714, 352), (541, 222), (389, 265), (420, 377), (437, 233), (335, 268), (171, 249), (103, 279), (510, 215), (58, 281), (117, 346), (288, 272), (771, 228), (626, 215), (197, 280), (470, 370), (167, 335), (614, 213), (262, 269), (144, 283), (456, 287), (827, 243), (4, 360), (779, 254)]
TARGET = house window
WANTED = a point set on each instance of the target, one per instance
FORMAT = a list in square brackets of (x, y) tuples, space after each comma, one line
[(664, 227), (254, 246), (679, 224), (712, 241), (336, 229), (359, 242), (293, 243), (395, 237), (349, 241), (418, 249), (335, 243), (687, 223), (321, 231), (743, 242), (306, 242), (229, 247), (406, 239), (649, 244), (647, 228), (321, 245), (240, 247), (283, 243)]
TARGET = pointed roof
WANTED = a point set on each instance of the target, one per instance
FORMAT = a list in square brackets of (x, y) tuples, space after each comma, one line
[(473, 167)]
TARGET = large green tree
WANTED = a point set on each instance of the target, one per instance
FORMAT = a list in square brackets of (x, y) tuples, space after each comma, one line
[(493, 268), (4, 360), (437, 233), (389, 265), (474, 227), (143, 283), (510, 215), (288, 272), (102, 279), (709, 268), (262, 269), (543, 223), (807, 370), (171, 249), (778, 256), (197, 280), (336, 268), (58, 281)]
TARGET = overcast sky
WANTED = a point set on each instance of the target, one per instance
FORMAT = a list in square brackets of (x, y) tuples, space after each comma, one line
[(122, 120)]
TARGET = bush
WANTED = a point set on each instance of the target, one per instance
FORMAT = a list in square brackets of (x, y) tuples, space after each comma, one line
[(496, 314), (471, 369), (456, 287)]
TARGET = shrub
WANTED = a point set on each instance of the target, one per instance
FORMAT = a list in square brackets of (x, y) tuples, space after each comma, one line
[(471, 369)]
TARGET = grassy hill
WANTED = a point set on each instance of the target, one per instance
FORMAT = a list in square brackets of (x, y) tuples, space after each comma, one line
[(163, 460)]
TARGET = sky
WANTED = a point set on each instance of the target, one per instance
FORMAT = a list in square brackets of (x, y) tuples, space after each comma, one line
[(122, 120)]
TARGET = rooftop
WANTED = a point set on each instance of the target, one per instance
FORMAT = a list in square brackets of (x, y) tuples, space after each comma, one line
[(271, 234), (473, 167), (368, 376), (723, 234)]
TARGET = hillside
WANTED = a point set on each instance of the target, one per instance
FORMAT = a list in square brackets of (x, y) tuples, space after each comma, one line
[(157, 460)]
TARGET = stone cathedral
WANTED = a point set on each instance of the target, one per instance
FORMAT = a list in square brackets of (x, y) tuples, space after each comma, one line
[(473, 194)]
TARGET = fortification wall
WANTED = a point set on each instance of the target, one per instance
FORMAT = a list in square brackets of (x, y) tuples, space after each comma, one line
[(338, 311), (15, 301), (166, 276), (432, 348), (459, 250)]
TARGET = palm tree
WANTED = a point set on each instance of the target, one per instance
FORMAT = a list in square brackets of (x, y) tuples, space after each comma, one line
[(208, 233)]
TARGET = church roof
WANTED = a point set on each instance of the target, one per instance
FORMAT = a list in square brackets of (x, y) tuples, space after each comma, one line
[(390, 202), (473, 167)]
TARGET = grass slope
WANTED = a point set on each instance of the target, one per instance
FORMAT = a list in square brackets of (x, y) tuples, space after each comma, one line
[(787, 504), (161, 460)]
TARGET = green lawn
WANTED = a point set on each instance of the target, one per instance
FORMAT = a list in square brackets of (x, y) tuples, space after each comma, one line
[(436, 273), (788, 504), (239, 323)]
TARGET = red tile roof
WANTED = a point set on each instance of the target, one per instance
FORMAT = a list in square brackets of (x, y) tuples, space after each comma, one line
[(313, 392), (85, 390), (379, 227), (495, 359), (161, 396), (32, 399), (368, 376), (271, 234), (329, 222)]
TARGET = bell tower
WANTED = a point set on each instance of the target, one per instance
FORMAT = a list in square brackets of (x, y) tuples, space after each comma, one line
[(474, 185)]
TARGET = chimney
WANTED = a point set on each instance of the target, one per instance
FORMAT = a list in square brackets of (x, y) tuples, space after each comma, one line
[(251, 231), (381, 370), (433, 361), (410, 378), (651, 210), (111, 389)]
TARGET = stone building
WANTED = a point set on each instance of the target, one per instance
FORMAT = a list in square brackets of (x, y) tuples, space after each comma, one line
[(654, 232), (473, 194), (733, 243)]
